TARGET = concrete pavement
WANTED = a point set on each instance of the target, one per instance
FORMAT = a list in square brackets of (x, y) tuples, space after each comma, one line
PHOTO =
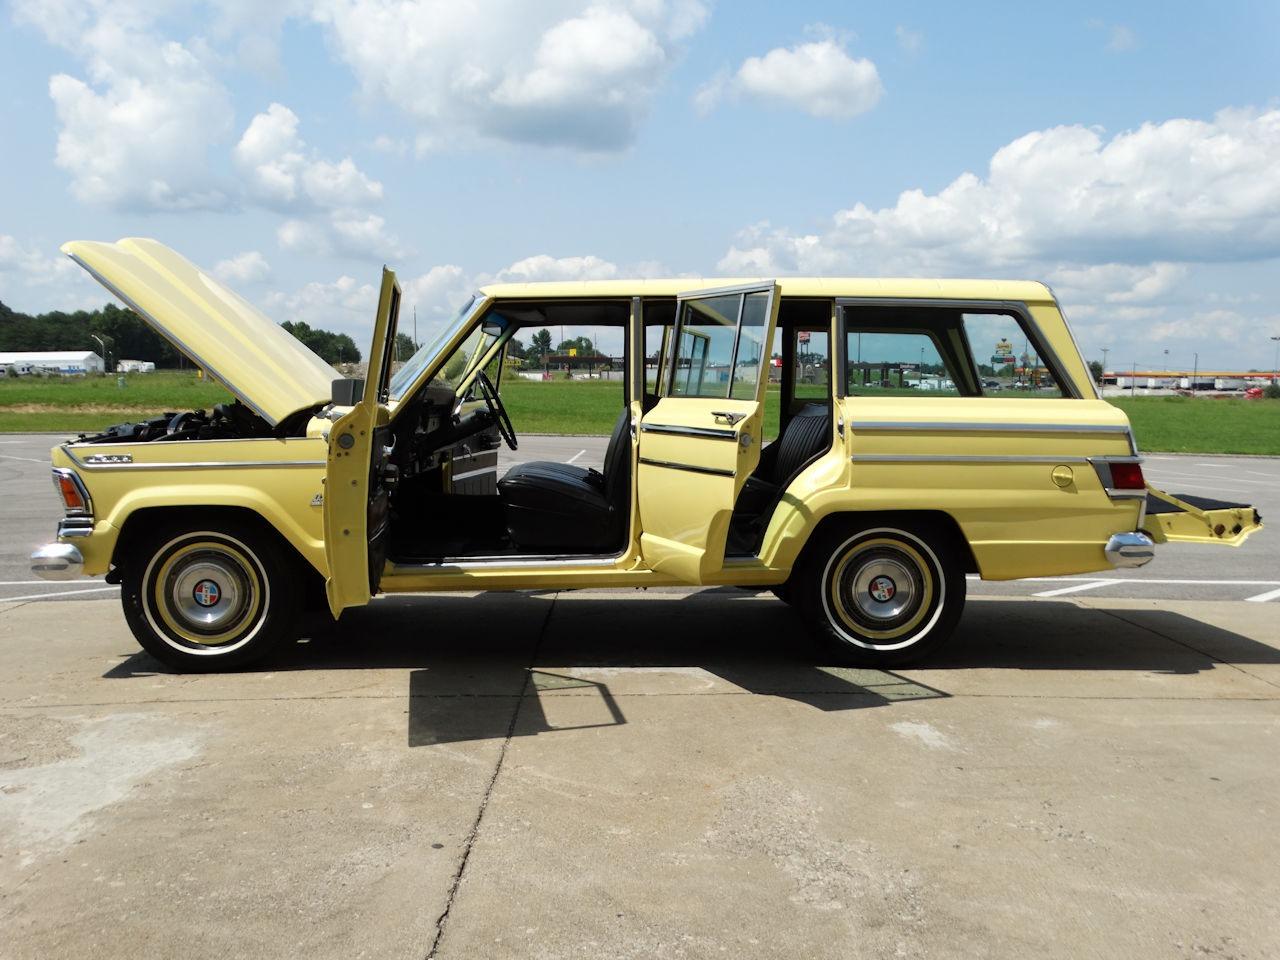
[(518, 775)]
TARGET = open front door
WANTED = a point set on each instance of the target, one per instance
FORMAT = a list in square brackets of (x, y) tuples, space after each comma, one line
[(355, 487), (701, 441)]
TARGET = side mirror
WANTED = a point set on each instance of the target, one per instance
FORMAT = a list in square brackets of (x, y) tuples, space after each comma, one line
[(492, 328), (346, 392)]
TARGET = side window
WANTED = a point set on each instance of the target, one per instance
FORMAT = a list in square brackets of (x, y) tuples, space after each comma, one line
[(704, 348), (719, 349), (903, 362), (1007, 357)]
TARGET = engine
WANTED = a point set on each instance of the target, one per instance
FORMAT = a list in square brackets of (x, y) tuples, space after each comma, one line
[(227, 421)]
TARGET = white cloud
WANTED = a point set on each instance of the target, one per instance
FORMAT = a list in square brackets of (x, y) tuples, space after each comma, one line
[(561, 73), (35, 282), (1180, 191), (248, 267), (136, 131), (283, 173), (544, 267), (818, 78), (1117, 282), (340, 233)]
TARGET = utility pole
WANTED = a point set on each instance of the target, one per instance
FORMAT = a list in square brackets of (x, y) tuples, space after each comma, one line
[(106, 366), (1275, 368), (1133, 381), (1102, 384), (1195, 372)]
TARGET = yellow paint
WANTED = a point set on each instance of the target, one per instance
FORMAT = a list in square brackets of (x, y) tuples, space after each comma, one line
[(1039, 510)]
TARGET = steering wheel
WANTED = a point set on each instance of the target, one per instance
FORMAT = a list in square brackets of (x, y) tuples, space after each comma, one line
[(496, 408)]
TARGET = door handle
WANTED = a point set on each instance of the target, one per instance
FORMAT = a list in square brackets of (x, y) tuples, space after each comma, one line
[(731, 417)]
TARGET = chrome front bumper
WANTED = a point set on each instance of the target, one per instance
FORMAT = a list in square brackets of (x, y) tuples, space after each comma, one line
[(1130, 550), (57, 561)]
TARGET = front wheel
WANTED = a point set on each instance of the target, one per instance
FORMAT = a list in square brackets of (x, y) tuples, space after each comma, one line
[(883, 595), (209, 599)]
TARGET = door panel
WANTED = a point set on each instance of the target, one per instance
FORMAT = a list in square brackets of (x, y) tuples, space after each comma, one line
[(356, 509), (701, 441)]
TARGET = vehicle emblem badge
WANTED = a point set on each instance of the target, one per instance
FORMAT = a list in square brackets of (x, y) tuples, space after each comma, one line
[(883, 589), (207, 593), (318, 500)]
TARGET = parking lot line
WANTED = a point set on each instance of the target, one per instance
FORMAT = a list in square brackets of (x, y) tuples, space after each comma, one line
[(60, 593), (1074, 588), (1264, 597)]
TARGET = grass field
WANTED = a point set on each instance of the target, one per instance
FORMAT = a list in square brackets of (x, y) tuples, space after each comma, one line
[(74, 404)]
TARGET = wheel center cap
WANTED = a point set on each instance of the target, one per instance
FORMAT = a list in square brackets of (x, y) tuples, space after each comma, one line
[(206, 593), (882, 589)]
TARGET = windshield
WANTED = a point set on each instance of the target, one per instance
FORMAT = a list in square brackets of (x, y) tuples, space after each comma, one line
[(404, 377)]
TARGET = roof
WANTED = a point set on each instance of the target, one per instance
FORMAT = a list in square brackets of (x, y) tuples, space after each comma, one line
[(47, 356), (1024, 291)]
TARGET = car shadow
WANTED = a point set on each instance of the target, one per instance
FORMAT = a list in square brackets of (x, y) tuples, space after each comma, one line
[(481, 666)]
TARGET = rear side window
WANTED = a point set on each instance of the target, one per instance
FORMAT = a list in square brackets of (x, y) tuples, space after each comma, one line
[(938, 351), (903, 362), (1008, 360)]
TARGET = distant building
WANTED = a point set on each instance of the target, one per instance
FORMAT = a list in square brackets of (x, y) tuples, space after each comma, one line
[(69, 362), (135, 366)]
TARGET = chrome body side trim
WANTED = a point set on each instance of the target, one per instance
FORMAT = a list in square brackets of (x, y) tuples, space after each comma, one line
[(80, 489), (160, 328), (958, 458), (196, 465), (57, 561), (709, 432), (710, 471), (1125, 550), (946, 426), (448, 564)]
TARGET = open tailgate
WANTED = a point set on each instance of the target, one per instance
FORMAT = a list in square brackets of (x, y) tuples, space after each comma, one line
[(1183, 518)]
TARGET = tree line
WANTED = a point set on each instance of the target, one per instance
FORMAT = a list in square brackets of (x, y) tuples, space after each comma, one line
[(129, 337)]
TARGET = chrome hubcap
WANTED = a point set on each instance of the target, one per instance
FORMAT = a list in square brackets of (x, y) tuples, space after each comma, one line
[(208, 592), (882, 589)]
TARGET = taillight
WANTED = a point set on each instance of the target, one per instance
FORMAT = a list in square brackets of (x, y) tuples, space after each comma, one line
[(1127, 476), (74, 496)]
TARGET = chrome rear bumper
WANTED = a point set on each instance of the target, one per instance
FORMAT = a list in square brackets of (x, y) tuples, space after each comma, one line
[(57, 561), (1130, 549)]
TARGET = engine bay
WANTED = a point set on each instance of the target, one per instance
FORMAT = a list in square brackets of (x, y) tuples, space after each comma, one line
[(226, 421)]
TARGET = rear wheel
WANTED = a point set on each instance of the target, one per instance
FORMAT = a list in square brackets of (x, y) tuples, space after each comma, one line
[(883, 595), (209, 599)]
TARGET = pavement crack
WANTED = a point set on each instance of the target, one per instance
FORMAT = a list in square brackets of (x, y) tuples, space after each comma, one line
[(443, 920), (1183, 643)]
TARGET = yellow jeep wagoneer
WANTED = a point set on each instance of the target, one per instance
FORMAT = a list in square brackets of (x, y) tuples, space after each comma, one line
[(926, 429)]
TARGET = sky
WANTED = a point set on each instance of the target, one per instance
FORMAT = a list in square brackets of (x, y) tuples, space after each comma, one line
[(1127, 154)]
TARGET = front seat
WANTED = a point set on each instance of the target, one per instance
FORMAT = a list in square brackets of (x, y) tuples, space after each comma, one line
[(560, 508)]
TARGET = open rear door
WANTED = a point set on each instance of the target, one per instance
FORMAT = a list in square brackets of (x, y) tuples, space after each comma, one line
[(356, 496), (1184, 518), (701, 441)]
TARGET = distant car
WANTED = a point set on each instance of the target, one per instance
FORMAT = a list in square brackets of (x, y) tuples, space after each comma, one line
[(866, 512)]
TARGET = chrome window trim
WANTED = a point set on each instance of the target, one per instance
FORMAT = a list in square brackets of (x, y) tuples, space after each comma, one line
[(678, 431), (81, 489), (186, 350), (1016, 307), (741, 291), (710, 471)]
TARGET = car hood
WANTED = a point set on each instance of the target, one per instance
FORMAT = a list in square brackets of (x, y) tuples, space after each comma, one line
[(233, 341)]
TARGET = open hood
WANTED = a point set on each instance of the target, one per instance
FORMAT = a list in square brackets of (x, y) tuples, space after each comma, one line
[(233, 341)]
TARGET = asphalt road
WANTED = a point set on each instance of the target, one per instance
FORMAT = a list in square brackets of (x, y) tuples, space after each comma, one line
[(29, 512)]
